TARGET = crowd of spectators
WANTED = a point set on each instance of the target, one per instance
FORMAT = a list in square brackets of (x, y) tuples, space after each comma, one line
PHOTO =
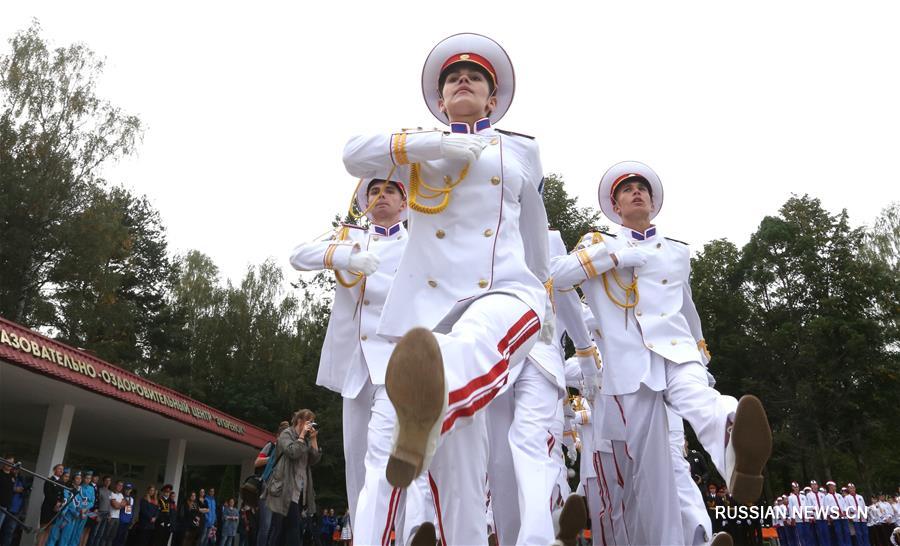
[(83, 508), (95, 510)]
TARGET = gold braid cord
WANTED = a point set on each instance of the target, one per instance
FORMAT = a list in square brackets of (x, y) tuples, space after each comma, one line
[(548, 286), (577, 402), (418, 187), (631, 291), (704, 348), (357, 277)]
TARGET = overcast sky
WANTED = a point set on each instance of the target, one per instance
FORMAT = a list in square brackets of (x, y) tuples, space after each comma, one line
[(736, 105)]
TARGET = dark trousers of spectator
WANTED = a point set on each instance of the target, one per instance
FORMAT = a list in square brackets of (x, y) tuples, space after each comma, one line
[(842, 530), (290, 526), (121, 534), (861, 537), (143, 536), (806, 533), (110, 532), (822, 532), (265, 524), (310, 535), (8, 529), (99, 530), (189, 538), (161, 535)]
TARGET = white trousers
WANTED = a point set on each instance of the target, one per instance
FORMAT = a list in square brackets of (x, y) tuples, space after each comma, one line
[(375, 505), (457, 482), (613, 468), (521, 474), (694, 518), (689, 395), (651, 513), (491, 336)]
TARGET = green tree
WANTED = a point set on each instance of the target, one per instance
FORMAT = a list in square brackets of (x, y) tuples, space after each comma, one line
[(564, 214), (55, 135), (109, 285), (883, 238), (816, 350)]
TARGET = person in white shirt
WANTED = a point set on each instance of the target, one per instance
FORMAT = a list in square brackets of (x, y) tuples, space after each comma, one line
[(116, 503), (470, 295), (834, 503), (856, 512), (637, 285), (519, 419), (354, 357), (815, 497), (885, 518), (799, 521), (779, 514)]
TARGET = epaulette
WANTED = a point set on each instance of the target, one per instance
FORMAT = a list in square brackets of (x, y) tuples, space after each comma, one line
[(676, 241), (510, 133), (353, 226), (608, 234)]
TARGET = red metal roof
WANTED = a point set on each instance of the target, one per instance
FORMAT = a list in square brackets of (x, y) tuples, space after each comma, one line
[(40, 354)]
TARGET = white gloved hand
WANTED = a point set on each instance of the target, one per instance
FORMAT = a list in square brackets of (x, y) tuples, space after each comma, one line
[(572, 454), (631, 257), (364, 262), (548, 328), (462, 146), (578, 446), (590, 370)]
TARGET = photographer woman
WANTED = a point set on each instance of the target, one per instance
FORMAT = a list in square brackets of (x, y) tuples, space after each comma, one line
[(290, 489)]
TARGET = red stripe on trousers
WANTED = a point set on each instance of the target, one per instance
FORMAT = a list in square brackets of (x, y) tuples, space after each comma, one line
[(622, 412), (437, 508), (392, 507), (483, 380), (469, 409), (587, 486), (608, 500)]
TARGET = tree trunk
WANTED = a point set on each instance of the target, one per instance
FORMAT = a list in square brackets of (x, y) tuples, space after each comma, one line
[(861, 470), (823, 453)]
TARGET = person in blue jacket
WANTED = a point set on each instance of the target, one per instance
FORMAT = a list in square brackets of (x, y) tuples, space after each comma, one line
[(64, 518)]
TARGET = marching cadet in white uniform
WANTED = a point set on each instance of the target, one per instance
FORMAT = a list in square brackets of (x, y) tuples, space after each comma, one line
[(856, 510), (469, 295), (354, 357), (637, 286), (518, 423), (612, 463)]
